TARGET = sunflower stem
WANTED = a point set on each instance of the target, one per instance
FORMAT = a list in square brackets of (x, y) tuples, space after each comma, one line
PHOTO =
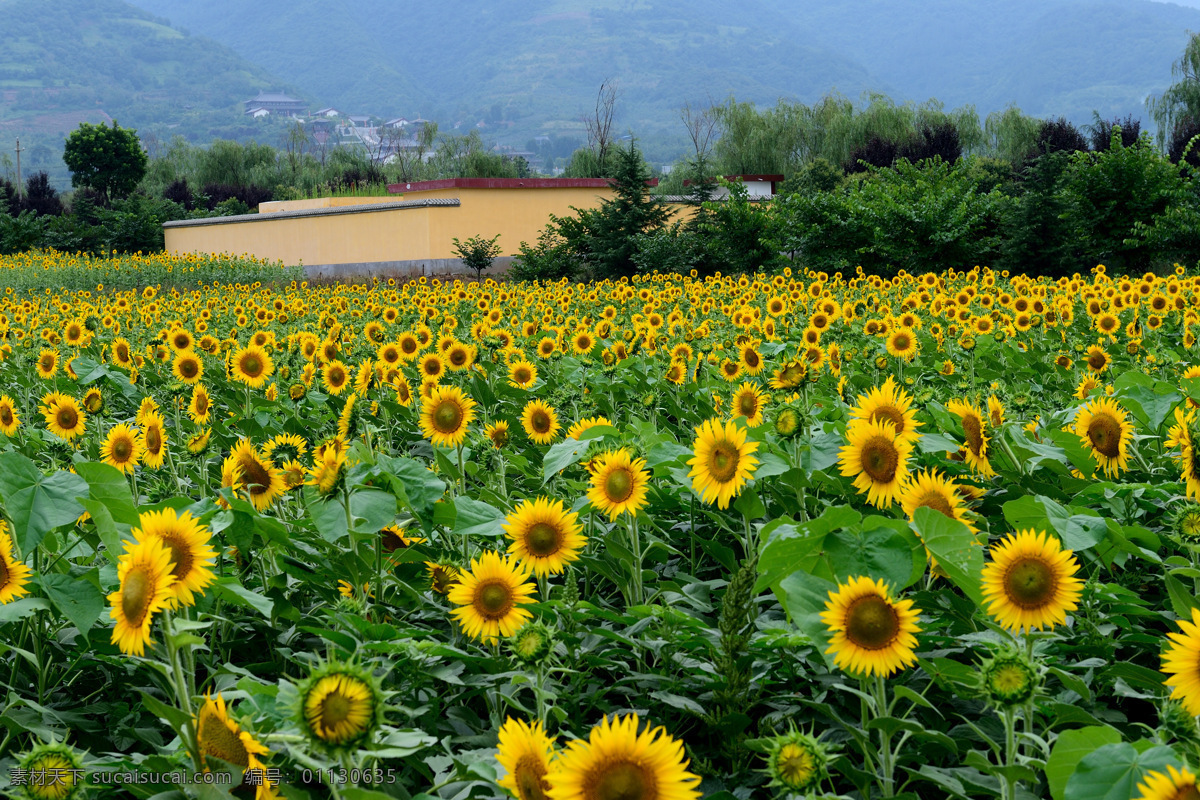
[(635, 547), (181, 693), (886, 763), (1010, 749)]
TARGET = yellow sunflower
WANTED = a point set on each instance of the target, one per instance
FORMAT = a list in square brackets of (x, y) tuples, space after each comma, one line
[(578, 429), (525, 752), (445, 416), (1181, 662), (872, 634), (1097, 359), (618, 762), (522, 374), (47, 364), (144, 572), (153, 440), (892, 404), (121, 448), (200, 407), (877, 459), (974, 428), (490, 596), (619, 483), (545, 535), (1174, 784), (497, 433), (187, 367), (9, 421), (340, 706), (1104, 428), (442, 577), (748, 401), (930, 489), (220, 737), (14, 575), (1030, 582), (257, 475), (540, 422), (64, 418), (902, 343), (335, 376), (721, 461), (251, 365), (188, 541)]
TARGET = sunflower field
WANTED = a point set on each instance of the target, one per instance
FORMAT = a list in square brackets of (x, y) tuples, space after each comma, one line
[(792, 535)]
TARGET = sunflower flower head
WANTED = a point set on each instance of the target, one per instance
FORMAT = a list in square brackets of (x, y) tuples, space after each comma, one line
[(872, 634), (1030, 582), (341, 706), (53, 772)]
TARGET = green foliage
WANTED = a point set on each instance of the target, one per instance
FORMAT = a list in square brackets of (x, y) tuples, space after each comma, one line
[(1107, 194), (477, 253), (912, 217), (109, 160), (737, 231)]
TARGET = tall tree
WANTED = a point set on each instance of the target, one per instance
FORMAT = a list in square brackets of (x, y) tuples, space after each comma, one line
[(1181, 101), (614, 226), (108, 159)]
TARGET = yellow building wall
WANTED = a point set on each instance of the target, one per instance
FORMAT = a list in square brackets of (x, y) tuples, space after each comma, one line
[(385, 235), (402, 234), (308, 204)]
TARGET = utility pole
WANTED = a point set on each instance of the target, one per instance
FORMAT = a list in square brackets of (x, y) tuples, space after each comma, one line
[(19, 184)]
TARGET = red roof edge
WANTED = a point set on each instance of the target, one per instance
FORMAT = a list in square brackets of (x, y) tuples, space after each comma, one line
[(504, 183)]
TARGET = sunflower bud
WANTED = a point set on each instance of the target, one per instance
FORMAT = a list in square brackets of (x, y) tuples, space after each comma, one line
[(1185, 524), (1177, 724), (797, 762), (53, 771), (340, 706), (787, 422), (532, 644), (1008, 679)]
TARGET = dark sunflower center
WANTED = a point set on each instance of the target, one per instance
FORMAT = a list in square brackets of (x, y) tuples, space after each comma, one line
[(335, 708), (748, 405), (723, 462), (409, 345), (336, 377), (4, 575), (493, 600), (889, 414), (67, 418), (6, 415), (1105, 435), (1186, 793), (902, 341), (254, 474), (880, 459), (135, 596), (751, 358), (181, 554), (542, 539), (121, 449), (522, 375), (458, 357), (872, 623), (973, 430), (47, 363), (432, 367), (447, 417), (618, 485), (252, 365), (540, 421), (528, 775), (188, 368), (938, 502), (1030, 583), (202, 404), (623, 781), (153, 439), (1097, 361), (217, 740)]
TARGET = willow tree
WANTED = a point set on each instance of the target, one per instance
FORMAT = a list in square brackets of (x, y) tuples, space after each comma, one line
[(1180, 103)]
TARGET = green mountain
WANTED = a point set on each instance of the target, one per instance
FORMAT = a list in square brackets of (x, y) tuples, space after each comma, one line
[(75, 61), (536, 64)]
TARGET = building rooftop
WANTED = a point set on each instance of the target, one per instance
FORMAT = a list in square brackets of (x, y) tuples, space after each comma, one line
[(504, 183)]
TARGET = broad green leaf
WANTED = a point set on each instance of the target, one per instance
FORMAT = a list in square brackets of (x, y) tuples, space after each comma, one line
[(329, 514), (108, 530), (107, 485), (562, 455), (412, 481), (1069, 749), (883, 553), (372, 510), (79, 599), (37, 503), (234, 592), (791, 548), (1080, 455), (475, 518), (803, 597), (1113, 771), (954, 546), (20, 609)]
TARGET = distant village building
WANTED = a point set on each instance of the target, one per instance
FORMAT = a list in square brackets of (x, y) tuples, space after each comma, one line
[(327, 112), (360, 120), (398, 122), (275, 103), (257, 112)]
